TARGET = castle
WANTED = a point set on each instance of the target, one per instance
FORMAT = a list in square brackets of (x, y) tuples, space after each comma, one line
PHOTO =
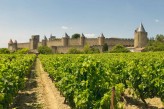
[(62, 45)]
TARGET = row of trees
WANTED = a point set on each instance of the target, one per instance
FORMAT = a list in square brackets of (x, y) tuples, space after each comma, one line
[(155, 44), (90, 50), (87, 50)]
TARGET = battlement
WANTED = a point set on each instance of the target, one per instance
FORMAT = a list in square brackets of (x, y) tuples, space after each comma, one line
[(64, 43)]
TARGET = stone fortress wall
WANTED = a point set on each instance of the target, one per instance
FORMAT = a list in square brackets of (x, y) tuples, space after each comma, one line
[(62, 45)]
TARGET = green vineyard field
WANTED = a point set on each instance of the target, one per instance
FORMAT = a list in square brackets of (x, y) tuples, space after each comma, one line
[(13, 72), (86, 81)]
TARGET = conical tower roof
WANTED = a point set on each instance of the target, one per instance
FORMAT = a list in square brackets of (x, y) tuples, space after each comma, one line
[(66, 35), (15, 41), (10, 41), (102, 35), (141, 28), (82, 35), (45, 38)]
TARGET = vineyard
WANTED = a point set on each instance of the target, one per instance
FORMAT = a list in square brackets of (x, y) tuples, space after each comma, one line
[(86, 81), (13, 72)]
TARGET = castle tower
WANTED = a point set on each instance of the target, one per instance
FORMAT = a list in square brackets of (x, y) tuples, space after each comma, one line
[(65, 40), (44, 41), (34, 42), (10, 45), (101, 39), (140, 37), (82, 39), (15, 45)]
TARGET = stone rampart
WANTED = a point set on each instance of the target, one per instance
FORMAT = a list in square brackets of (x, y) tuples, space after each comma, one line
[(23, 45)]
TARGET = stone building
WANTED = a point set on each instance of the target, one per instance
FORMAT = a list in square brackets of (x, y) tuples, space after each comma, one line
[(62, 45), (140, 37)]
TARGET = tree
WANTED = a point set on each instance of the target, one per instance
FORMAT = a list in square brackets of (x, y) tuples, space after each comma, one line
[(89, 50), (4, 51), (105, 47), (119, 49), (74, 51), (94, 50), (155, 45), (44, 50), (75, 36), (160, 38), (86, 49)]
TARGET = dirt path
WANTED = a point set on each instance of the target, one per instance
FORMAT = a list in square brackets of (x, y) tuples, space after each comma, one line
[(51, 95), (39, 92)]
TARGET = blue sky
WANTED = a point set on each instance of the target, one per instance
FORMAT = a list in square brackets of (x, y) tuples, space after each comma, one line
[(19, 19)]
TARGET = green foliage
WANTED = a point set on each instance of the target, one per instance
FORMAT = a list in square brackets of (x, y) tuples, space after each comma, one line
[(105, 47), (74, 51), (160, 38), (75, 36), (90, 50), (155, 45), (4, 51), (44, 50), (119, 49), (22, 51), (86, 49), (94, 50), (86, 81), (14, 69)]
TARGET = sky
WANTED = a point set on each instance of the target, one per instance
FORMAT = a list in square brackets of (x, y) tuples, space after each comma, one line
[(19, 19)]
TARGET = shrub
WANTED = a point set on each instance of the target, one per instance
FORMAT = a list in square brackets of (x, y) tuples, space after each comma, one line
[(74, 51), (119, 49), (4, 51), (44, 50), (22, 51)]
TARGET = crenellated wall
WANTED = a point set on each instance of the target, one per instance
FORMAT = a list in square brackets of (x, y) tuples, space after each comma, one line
[(115, 41), (24, 45), (62, 45), (74, 41), (55, 42), (65, 43), (91, 41)]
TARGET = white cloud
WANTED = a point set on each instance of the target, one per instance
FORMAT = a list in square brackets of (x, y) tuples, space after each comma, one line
[(90, 35), (156, 20), (65, 27)]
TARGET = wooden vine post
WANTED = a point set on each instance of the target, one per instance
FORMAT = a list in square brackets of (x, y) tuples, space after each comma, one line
[(112, 98)]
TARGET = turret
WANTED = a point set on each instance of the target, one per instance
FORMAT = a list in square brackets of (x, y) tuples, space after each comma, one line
[(10, 42), (82, 40), (12, 46), (140, 37), (101, 39), (65, 40), (15, 45), (44, 41), (34, 42)]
